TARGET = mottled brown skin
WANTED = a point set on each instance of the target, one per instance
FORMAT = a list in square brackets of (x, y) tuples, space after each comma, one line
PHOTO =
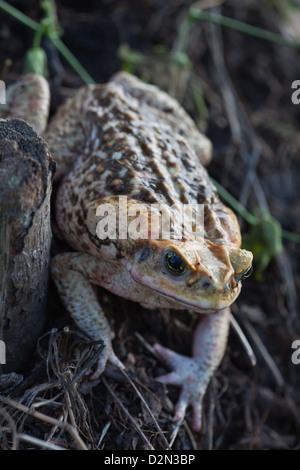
[(127, 138)]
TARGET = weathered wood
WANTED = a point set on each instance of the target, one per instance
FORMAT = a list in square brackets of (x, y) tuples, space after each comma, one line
[(26, 171)]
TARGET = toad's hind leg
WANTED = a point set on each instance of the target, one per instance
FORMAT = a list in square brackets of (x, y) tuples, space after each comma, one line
[(73, 274), (29, 99)]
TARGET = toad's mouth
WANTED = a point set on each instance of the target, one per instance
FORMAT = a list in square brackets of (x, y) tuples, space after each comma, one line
[(199, 305), (187, 304)]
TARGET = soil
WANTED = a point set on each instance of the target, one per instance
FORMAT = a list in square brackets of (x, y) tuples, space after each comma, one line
[(238, 89)]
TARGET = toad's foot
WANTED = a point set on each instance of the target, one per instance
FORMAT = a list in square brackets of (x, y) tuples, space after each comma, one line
[(192, 374), (107, 356), (189, 374)]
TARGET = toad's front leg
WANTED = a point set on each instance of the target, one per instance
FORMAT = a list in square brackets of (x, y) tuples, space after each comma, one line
[(192, 374), (73, 274)]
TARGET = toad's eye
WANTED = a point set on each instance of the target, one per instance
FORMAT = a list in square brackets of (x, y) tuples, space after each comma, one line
[(248, 272), (174, 264)]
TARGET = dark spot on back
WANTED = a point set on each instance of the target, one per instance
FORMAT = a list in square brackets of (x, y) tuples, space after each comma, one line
[(74, 198)]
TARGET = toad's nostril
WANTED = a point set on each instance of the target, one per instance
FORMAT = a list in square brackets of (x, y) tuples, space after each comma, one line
[(206, 285), (144, 254)]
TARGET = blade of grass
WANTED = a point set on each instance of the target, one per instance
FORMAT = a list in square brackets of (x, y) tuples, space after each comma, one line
[(250, 218), (18, 15), (196, 14), (292, 237), (71, 59), (56, 41)]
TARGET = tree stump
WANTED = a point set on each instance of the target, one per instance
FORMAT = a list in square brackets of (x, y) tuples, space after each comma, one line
[(26, 170)]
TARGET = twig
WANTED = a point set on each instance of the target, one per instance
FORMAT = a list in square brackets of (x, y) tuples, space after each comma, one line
[(243, 339), (39, 442), (175, 431), (12, 425), (47, 419), (128, 415), (285, 269), (147, 408), (264, 353), (211, 412), (146, 345), (54, 428), (70, 408), (250, 174), (104, 431), (252, 178), (191, 435)]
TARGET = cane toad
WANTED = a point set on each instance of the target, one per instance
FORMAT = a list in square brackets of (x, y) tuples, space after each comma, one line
[(127, 142)]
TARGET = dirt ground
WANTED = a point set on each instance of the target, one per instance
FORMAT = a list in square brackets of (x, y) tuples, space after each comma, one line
[(238, 89)]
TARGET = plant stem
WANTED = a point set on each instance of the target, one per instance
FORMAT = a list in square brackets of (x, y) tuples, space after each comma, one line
[(37, 39), (183, 34), (197, 14), (56, 41), (18, 15), (71, 59), (237, 206), (292, 237), (250, 218)]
